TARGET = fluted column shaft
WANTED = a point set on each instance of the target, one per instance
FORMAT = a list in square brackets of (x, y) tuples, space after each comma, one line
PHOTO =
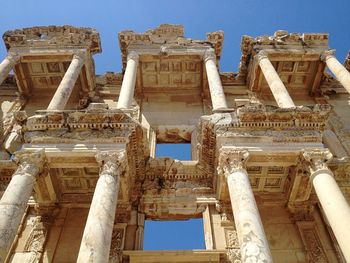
[(129, 81), (252, 239), (339, 71), (14, 201), (217, 94), (332, 200), (97, 236), (7, 64), (64, 90), (276, 85)]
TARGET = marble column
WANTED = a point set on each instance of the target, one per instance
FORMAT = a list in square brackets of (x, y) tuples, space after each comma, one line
[(217, 94), (64, 90), (96, 241), (252, 239), (332, 200), (14, 201), (7, 64), (129, 81), (276, 85), (339, 71)]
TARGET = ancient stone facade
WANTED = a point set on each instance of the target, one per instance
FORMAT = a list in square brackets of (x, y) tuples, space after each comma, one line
[(270, 169)]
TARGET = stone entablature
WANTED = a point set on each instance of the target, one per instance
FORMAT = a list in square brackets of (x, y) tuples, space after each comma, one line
[(167, 39), (279, 43), (54, 37)]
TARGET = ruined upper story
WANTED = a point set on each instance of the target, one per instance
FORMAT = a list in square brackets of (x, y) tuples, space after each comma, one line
[(171, 77)]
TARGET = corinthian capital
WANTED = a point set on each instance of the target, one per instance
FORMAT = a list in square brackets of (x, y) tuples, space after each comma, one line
[(133, 55), (232, 160), (13, 57), (209, 54), (80, 55), (30, 162), (111, 162), (262, 55), (317, 159), (326, 54)]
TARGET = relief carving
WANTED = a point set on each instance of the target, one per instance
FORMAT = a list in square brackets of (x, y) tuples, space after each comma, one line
[(234, 255), (36, 241), (317, 159), (111, 162), (232, 160), (117, 245), (231, 238), (312, 242), (30, 162)]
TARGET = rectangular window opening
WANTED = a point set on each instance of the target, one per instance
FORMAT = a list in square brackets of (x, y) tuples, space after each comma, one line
[(179, 151), (174, 235)]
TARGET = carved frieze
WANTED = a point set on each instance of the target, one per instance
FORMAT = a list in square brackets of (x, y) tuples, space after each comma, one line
[(312, 242)]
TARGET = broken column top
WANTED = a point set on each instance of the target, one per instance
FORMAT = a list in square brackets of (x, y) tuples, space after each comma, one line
[(54, 37)]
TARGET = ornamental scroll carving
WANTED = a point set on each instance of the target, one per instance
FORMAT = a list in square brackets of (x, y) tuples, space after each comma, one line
[(317, 160), (111, 162), (117, 245), (36, 241), (234, 255), (312, 242), (232, 160), (30, 162)]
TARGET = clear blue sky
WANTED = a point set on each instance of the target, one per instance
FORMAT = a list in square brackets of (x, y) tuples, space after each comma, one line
[(236, 18)]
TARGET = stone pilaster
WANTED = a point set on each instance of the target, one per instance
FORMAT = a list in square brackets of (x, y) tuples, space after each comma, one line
[(253, 243), (129, 81), (7, 65), (96, 241), (276, 85), (217, 94), (330, 196), (14, 201), (64, 90), (339, 71)]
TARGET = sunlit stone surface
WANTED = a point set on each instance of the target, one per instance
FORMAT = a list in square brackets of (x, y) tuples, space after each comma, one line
[(269, 169)]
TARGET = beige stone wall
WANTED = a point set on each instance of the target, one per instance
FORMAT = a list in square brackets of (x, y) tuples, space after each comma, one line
[(282, 234)]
